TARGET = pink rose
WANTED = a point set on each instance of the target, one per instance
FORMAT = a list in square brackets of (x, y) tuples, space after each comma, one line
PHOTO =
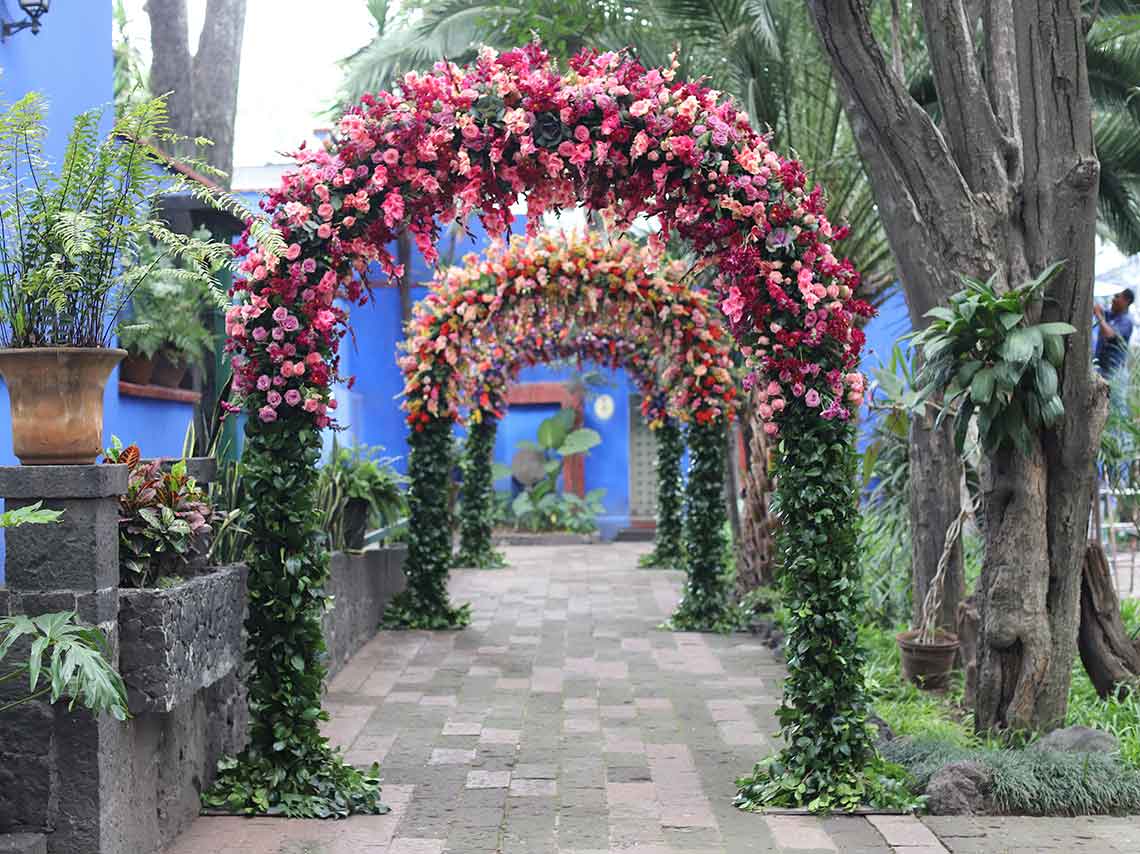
[(260, 333), (286, 369), (771, 429), (311, 404), (263, 382), (274, 398), (290, 324), (280, 313), (309, 265), (325, 211), (292, 397), (812, 398), (293, 252), (324, 231), (267, 414)]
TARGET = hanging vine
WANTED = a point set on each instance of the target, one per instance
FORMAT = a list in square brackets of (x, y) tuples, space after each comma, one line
[(668, 539), (289, 768), (477, 497), (424, 603)]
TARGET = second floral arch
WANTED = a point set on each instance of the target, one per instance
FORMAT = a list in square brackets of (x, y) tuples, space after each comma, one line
[(559, 296)]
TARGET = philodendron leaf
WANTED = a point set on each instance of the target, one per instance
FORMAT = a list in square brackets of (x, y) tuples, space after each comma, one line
[(1046, 379), (982, 386), (580, 441)]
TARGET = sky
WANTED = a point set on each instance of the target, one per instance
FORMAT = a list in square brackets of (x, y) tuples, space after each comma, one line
[(289, 73)]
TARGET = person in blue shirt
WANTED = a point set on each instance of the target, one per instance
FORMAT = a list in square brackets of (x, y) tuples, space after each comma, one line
[(1114, 330)]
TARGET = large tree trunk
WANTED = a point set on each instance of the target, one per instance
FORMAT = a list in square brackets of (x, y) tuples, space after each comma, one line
[(1005, 186), (755, 566), (203, 86), (1110, 656)]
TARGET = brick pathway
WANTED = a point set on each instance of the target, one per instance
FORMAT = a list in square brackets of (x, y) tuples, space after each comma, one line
[(563, 722)]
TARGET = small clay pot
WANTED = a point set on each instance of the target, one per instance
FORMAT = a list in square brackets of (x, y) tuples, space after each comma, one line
[(137, 369), (927, 665), (56, 397), (167, 373)]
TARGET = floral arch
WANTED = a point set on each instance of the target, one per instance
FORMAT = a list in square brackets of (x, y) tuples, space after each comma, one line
[(627, 142), (551, 297)]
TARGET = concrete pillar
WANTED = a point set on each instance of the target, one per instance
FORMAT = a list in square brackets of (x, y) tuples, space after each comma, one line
[(64, 773)]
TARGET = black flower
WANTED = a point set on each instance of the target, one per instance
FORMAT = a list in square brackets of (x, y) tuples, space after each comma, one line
[(547, 130)]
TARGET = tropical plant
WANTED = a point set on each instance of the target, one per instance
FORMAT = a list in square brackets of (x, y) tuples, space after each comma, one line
[(71, 658), (167, 309), (355, 474), (165, 519), (67, 235), (984, 353), (540, 506)]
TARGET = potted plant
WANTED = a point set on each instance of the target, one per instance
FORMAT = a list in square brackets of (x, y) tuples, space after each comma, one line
[(67, 239), (927, 653), (357, 489), (165, 521), (165, 335)]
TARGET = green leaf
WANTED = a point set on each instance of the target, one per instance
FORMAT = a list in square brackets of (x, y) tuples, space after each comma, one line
[(552, 432), (1010, 319), (1056, 328), (982, 386), (580, 441), (1022, 345), (1046, 379)]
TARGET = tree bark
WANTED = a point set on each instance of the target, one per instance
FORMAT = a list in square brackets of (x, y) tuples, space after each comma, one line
[(203, 86), (1004, 187), (755, 566), (1109, 655)]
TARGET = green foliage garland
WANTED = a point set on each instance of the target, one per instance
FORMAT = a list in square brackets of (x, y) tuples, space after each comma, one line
[(829, 762), (668, 550), (477, 498), (289, 768), (424, 603), (707, 603)]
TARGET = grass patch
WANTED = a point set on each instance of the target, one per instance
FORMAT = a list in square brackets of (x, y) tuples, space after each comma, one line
[(1121, 717), (1031, 782), (907, 710)]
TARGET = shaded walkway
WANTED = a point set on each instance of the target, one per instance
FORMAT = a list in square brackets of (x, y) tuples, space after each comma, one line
[(563, 722)]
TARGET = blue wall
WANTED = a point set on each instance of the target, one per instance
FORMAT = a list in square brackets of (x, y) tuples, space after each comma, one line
[(70, 63)]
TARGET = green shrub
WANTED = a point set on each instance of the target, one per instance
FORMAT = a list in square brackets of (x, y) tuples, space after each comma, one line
[(1031, 782)]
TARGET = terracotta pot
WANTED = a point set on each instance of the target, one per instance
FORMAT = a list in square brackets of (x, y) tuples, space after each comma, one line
[(56, 395), (168, 373), (927, 665), (137, 369)]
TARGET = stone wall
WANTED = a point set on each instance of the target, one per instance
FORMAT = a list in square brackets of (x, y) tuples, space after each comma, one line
[(361, 585), (102, 787)]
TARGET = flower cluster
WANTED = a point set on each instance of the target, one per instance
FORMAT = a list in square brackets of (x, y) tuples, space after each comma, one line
[(625, 140), (555, 297)]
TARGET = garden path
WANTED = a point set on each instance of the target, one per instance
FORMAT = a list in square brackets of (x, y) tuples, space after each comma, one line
[(563, 722)]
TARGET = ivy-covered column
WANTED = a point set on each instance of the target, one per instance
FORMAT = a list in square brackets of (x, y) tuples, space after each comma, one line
[(829, 762), (477, 497), (289, 767), (424, 602), (706, 605), (667, 545)]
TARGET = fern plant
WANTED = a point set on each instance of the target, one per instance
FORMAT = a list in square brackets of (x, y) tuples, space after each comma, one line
[(68, 236), (167, 311)]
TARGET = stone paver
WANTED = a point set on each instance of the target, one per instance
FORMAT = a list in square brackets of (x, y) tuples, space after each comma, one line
[(563, 721)]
